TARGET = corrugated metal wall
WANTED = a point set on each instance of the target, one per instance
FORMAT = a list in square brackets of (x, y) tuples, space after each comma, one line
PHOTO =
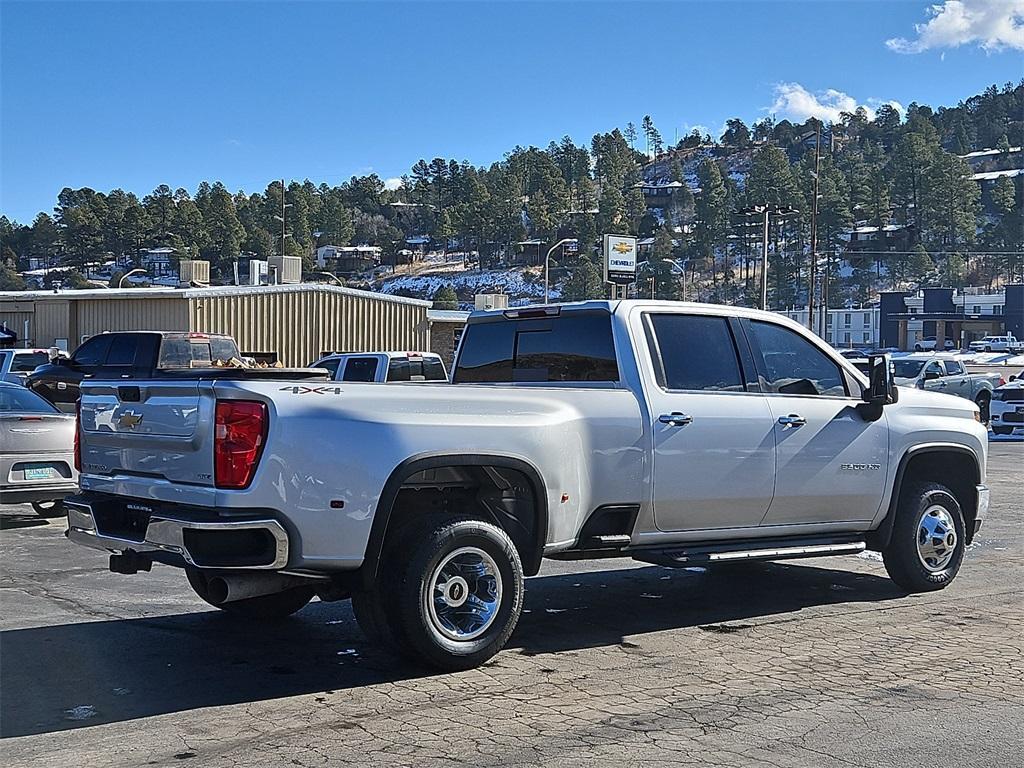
[(299, 322), (144, 314)]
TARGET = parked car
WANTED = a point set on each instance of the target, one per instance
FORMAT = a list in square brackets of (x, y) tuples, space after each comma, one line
[(1008, 343), (16, 364), (852, 354), (381, 367), (928, 343), (126, 355), (671, 433), (1007, 407), (36, 451), (949, 377)]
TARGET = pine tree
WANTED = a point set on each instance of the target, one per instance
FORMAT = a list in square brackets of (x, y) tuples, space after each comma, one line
[(446, 298)]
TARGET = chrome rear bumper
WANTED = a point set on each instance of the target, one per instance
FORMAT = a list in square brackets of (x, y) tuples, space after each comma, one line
[(167, 534)]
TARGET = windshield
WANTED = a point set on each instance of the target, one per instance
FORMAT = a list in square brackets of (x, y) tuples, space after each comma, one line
[(907, 369)]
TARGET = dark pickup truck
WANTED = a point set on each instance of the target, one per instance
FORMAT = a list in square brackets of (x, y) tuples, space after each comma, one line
[(126, 355)]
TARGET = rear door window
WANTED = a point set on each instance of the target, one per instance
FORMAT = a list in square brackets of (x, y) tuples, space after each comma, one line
[(363, 369), (953, 367), (694, 352), (123, 351), (573, 347)]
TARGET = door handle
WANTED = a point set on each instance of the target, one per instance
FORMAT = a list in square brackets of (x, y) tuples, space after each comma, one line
[(793, 420), (942, 384), (675, 419)]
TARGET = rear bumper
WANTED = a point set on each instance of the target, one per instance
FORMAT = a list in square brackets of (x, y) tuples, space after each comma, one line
[(28, 494), (249, 544)]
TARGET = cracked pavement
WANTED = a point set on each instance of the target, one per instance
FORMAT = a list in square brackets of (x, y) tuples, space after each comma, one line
[(809, 663)]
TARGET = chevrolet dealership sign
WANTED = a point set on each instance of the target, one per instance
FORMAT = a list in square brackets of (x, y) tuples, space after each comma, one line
[(619, 259)]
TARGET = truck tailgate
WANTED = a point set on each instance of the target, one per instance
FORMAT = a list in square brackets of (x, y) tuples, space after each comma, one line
[(160, 429)]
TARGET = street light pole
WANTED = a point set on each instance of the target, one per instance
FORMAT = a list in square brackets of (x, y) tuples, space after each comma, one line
[(814, 231), (120, 283), (764, 263), (547, 259), (766, 210)]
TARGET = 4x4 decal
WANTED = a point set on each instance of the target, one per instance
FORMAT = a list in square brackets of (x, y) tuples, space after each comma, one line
[(304, 390)]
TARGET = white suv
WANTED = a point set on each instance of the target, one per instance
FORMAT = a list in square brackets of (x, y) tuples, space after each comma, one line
[(1006, 410)]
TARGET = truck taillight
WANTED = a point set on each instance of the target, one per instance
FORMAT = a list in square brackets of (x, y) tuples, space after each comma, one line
[(240, 431), (78, 439)]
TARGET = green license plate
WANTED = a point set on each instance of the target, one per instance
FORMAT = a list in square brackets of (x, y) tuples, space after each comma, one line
[(40, 473)]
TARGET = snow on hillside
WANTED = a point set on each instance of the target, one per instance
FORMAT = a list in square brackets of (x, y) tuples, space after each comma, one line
[(516, 283)]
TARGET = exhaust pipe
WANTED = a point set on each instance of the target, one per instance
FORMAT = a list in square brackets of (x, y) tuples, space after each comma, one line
[(228, 589)]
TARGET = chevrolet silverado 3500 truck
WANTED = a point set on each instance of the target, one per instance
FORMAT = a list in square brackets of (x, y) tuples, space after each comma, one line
[(671, 433)]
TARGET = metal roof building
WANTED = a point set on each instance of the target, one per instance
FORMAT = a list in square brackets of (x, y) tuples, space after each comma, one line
[(297, 322)]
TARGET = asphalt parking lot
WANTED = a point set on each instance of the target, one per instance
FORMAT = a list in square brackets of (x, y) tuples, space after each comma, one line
[(821, 663)]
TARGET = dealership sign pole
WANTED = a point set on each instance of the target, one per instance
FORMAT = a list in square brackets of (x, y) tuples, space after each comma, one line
[(619, 261)]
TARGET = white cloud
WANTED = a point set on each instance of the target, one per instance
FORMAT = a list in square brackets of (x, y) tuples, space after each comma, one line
[(796, 103), (992, 24), (393, 183)]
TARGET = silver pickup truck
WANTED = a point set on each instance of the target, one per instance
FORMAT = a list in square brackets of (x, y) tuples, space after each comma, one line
[(949, 377), (670, 433)]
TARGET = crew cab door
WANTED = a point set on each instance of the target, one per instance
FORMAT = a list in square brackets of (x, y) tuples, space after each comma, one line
[(830, 461), (713, 441), (956, 379)]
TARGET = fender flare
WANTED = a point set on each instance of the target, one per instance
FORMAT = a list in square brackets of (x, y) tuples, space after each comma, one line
[(880, 536), (419, 463)]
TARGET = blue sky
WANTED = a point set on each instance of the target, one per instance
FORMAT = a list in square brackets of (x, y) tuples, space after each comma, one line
[(135, 94)]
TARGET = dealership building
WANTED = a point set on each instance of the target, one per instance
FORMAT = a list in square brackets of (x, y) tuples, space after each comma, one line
[(945, 313), (294, 324)]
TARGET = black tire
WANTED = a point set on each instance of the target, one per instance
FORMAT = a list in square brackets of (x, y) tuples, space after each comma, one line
[(266, 607), (1003, 430), (918, 348), (49, 509), (408, 579), (903, 560), (984, 403), (988, 349)]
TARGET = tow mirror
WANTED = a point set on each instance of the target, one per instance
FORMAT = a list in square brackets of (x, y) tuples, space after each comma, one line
[(881, 388), (53, 353), (931, 375)]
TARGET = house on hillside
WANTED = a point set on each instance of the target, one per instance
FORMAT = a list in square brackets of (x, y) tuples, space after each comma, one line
[(158, 262), (891, 237), (345, 259)]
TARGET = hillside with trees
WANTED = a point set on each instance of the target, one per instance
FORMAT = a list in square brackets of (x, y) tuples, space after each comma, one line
[(904, 200)]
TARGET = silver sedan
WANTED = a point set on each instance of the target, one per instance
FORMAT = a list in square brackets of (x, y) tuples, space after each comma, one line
[(36, 451)]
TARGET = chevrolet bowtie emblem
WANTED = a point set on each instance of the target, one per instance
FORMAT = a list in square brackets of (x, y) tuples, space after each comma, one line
[(129, 420), (622, 248)]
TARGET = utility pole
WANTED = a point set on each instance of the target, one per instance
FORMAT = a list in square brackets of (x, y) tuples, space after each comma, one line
[(764, 263), (814, 231), (284, 216)]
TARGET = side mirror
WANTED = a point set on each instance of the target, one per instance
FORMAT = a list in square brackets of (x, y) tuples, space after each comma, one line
[(930, 375), (54, 354), (881, 390)]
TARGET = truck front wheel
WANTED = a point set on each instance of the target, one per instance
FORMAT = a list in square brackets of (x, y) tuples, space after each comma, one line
[(927, 544), (451, 597)]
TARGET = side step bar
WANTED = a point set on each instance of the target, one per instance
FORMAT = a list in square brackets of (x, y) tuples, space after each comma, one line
[(747, 551)]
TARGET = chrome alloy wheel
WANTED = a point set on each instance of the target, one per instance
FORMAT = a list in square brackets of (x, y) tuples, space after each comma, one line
[(463, 594), (936, 538)]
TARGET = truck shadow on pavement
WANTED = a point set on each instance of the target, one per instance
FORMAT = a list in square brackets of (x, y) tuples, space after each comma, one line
[(83, 674)]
